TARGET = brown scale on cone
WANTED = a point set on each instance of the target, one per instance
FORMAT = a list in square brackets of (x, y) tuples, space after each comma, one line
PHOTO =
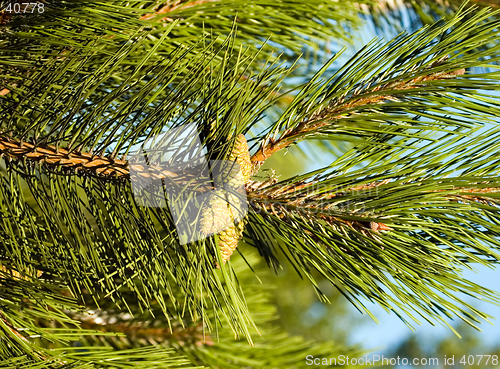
[(219, 216)]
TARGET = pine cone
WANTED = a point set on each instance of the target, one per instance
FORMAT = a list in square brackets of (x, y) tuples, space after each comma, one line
[(221, 215), (229, 238), (228, 241), (241, 156), (238, 168), (216, 215)]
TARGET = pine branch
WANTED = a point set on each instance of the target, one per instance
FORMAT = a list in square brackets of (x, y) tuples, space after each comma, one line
[(192, 334), (272, 348), (367, 106), (343, 213), (312, 195), (99, 166), (339, 109), (62, 158), (107, 95)]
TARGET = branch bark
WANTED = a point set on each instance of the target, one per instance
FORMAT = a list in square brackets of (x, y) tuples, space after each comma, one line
[(101, 166), (171, 6)]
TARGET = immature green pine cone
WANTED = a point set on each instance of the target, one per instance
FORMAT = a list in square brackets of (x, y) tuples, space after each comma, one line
[(221, 212), (216, 215), (241, 155), (229, 238), (238, 168), (228, 241)]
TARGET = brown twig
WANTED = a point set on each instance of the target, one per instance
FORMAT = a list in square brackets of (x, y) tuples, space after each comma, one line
[(171, 6), (100, 166), (193, 334)]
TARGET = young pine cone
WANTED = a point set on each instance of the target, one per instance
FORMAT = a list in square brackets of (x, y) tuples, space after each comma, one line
[(241, 156), (237, 169), (228, 239), (221, 214), (216, 215)]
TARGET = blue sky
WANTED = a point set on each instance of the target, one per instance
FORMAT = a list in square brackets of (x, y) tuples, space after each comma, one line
[(391, 330)]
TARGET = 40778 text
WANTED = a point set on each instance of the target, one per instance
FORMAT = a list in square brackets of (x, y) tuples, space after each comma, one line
[(19, 7)]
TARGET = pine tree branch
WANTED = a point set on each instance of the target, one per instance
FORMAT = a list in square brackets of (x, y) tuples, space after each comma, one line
[(192, 334), (100, 240), (110, 168), (63, 158), (324, 117), (95, 165), (305, 194), (318, 207)]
